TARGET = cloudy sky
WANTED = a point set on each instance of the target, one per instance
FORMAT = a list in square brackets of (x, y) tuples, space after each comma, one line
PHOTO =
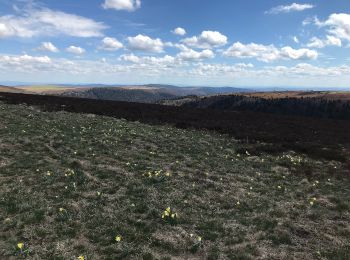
[(184, 42)]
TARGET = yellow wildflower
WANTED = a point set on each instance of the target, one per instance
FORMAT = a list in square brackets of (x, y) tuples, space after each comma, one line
[(61, 209), (118, 238), (81, 257), (199, 239), (20, 245)]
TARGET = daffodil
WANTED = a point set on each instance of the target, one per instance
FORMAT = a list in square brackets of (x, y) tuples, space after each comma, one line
[(20, 245)]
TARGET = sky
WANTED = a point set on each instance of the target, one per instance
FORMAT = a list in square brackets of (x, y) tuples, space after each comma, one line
[(245, 43)]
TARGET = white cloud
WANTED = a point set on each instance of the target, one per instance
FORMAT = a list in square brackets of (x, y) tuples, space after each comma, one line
[(268, 53), (168, 69), (46, 22), (339, 25), (179, 31), (24, 63), (130, 58), (203, 69), (166, 60), (289, 8), (110, 44), (144, 43), (128, 5), (191, 55), (48, 46), (75, 50), (321, 43), (207, 40), (295, 39), (307, 70)]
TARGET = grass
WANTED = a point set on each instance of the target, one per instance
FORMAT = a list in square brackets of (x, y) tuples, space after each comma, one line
[(72, 184)]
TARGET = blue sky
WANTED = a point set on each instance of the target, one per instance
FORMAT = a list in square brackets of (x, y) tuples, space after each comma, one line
[(184, 42)]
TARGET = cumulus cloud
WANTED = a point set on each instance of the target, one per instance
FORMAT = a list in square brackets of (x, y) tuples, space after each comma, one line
[(321, 43), (203, 69), (207, 40), (179, 31), (159, 61), (47, 22), (269, 53), (110, 44), (75, 50), (289, 8), (127, 5), (24, 63), (338, 25), (307, 70), (145, 43), (192, 55), (48, 46)]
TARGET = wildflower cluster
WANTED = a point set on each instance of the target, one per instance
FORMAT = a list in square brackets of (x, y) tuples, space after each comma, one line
[(69, 173), (157, 176), (312, 201), (295, 160), (170, 215)]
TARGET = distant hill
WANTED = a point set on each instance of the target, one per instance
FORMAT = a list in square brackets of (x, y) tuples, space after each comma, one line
[(151, 93), (120, 94), (312, 104), (11, 89)]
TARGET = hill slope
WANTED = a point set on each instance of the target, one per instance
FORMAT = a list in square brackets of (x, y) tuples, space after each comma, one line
[(142, 95), (11, 89), (331, 105), (93, 186)]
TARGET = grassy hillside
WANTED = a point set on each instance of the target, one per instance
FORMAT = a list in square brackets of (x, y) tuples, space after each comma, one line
[(102, 188)]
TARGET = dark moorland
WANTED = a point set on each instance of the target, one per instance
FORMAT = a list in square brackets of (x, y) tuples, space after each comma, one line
[(323, 138), (310, 104)]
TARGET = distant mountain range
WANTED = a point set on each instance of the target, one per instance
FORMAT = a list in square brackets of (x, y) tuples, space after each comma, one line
[(151, 93)]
